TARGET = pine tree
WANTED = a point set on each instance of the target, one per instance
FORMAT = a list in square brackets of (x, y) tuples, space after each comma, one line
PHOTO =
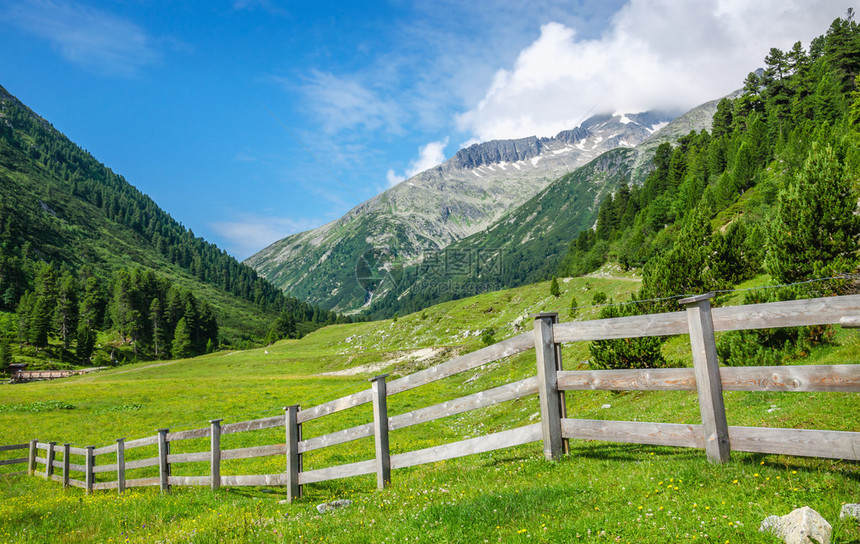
[(574, 307), (553, 288), (815, 230), (66, 311), (156, 318), (182, 346), (6, 334), (86, 342)]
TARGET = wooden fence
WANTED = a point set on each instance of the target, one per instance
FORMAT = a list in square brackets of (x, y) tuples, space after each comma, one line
[(550, 383)]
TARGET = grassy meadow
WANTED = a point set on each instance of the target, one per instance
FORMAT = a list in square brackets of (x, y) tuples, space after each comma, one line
[(601, 492)]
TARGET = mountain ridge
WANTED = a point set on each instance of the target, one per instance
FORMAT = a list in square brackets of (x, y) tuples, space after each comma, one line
[(448, 202)]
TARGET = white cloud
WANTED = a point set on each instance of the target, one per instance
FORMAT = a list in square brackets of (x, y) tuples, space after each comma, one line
[(85, 35), (345, 103), (654, 54), (251, 233), (428, 156)]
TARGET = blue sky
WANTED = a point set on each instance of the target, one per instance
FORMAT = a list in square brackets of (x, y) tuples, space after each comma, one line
[(249, 120)]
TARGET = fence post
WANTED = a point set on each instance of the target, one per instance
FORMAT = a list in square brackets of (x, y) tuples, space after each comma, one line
[(215, 453), (547, 364), (708, 383), (301, 455), (120, 465), (66, 465), (31, 458), (163, 465), (380, 431), (49, 460), (562, 401), (88, 465), (291, 426)]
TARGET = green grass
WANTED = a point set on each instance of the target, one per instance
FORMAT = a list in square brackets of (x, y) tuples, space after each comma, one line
[(600, 492)]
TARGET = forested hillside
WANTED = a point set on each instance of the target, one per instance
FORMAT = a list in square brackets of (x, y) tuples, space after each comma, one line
[(774, 176), (772, 189), (81, 248)]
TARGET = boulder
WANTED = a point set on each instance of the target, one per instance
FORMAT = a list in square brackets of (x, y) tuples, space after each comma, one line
[(801, 526)]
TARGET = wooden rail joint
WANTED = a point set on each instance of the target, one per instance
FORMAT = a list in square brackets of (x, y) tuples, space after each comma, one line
[(548, 359), (708, 380)]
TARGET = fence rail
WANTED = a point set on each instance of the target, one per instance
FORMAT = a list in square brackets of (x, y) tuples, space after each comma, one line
[(550, 383)]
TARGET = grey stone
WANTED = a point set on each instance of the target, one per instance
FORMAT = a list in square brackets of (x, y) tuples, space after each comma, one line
[(801, 526), (334, 505), (850, 511)]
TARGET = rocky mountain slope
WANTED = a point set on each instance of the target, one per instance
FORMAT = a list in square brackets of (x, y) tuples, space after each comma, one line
[(429, 211)]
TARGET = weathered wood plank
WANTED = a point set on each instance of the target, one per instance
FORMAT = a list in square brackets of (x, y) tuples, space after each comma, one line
[(143, 482), (654, 379), (195, 457), (667, 324), (15, 447), (120, 465), (88, 473), (77, 483), (636, 432), (58, 464), (104, 468), (339, 437), (708, 381), (339, 471), (140, 442), (190, 480), (255, 451), (66, 465), (77, 451), (850, 322), (40, 460), (163, 463), (215, 453), (187, 435), (337, 405), (104, 485), (791, 313), (141, 463), (800, 442), (105, 449), (14, 461), (837, 378), (809, 378), (547, 378), (291, 435), (42, 446), (77, 468), (31, 457), (253, 479), (482, 399), (49, 460), (505, 348), (253, 425), (480, 444), (380, 431), (56, 478)]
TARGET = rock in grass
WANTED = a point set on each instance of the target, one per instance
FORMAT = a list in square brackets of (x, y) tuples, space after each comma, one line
[(850, 511), (334, 505), (801, 526)]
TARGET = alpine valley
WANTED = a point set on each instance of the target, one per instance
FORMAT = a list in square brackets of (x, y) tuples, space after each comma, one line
[(515, 202)]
